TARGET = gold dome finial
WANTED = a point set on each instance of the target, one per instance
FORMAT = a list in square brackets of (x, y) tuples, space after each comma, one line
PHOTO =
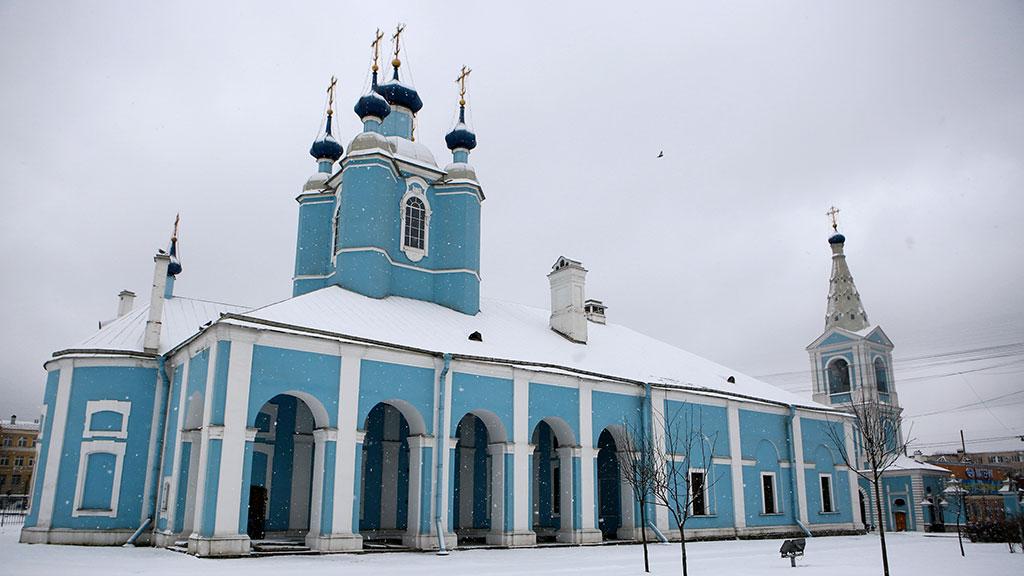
[(376, 48), (461, 81), (397, 39), (330, 95), (832, 214)]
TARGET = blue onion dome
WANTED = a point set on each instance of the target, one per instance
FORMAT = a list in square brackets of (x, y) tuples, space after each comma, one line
[(174, 267), (461, 136), (372, 104), (398, 94), (326, 146), (837, 238)]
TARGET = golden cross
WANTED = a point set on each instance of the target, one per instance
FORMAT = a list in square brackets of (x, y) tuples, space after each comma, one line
[(330, 92), (376, 48), (397, 38), (174, 236), (832, 214), (461, 81)]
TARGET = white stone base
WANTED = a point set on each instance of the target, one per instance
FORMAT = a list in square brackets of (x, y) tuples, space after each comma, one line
[(236, 545), (335, 542), (75, 537), (429, 541), (585, 536), (512, 539), (163, 539)]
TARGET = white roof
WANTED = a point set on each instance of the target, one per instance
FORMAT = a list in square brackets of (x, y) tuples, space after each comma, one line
[(512, 333), (182, 318), (907, 463), (19, 425)]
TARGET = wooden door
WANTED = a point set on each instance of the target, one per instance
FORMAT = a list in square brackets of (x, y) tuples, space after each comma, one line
[(901, 521)]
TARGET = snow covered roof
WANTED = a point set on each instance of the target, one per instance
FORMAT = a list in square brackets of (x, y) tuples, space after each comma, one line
[(182, 318), (908, 463), (512, 334), (19, 425)]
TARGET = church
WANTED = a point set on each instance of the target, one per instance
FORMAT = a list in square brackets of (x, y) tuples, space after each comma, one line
[(386, 403)]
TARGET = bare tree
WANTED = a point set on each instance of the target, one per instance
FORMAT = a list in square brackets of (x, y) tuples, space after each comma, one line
[(687, 479), (877, 447), (641, 465)]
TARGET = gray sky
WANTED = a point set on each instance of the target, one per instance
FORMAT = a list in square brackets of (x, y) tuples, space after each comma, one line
[(909, 117)]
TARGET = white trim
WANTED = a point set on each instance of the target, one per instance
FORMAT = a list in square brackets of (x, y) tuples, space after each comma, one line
[(56, 445), (271, 411), (93, 407), (103, 447), (831, 496), (415, 188), (798, 469), (588, 454), (232, 458), (736, 465), (268, 451), (399, 264)]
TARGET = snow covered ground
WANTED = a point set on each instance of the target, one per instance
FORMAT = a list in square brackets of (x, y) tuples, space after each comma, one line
[(838, 556)]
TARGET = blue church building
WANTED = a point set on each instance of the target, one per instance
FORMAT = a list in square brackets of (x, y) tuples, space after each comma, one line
[(387, 403)]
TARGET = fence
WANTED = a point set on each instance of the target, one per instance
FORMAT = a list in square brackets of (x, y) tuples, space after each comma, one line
[(13, 509)]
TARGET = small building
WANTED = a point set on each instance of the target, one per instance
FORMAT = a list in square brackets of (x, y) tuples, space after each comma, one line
[(981, 492), (17, 460)]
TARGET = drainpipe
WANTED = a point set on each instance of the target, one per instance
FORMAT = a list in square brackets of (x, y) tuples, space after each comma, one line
[(439, 457), (793, 472), (161, 364)]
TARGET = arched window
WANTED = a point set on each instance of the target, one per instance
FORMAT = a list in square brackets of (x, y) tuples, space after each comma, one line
[(838, 376), (337, 230), (415, 224), (881, 375)]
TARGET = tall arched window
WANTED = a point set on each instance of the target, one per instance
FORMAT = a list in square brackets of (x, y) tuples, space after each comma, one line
[(415, 223), (337, 230), (838, 376), (881, 375)]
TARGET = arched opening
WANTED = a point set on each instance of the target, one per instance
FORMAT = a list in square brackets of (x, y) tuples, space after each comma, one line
[(552, 473), (838, 376), (472, 490), (384, 505), (609, 487), (281, 477), (881, 376)]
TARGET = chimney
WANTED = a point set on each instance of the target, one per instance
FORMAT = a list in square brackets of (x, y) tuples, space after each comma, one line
[(151, 343), (595, 311), (568, 317), (918, 457), (125, 303), (14, 418)]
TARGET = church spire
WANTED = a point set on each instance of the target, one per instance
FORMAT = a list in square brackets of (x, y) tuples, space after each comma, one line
[(844, 306), (461, 139)]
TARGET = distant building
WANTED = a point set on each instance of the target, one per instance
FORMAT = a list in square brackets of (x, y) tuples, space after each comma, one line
[(1013, 460), (17, 456), (988, 491)]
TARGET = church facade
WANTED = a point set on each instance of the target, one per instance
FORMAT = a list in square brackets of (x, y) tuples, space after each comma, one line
[(387, 403)]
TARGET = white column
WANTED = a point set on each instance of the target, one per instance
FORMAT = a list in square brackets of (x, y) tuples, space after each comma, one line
[(172, 496), (498, 450), (658, 428), (858, 521), (736, 465), (232, 459), (798, 469), (302, 460), (413, 535), (57, 414), (566, 532), (522, 516), (588, 454), (390, 450), (195, 440), (321, 436), (349, 441)]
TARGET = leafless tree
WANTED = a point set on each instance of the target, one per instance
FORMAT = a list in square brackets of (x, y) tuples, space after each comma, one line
[(688, 478), (641, 465), (877, 447)]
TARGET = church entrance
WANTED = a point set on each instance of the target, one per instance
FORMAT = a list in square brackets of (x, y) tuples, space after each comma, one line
[(900, 520), (609, 487), (384, 505), (472, 491), (280, 482)]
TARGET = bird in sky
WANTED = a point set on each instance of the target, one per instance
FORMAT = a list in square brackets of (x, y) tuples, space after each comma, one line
[(660, 154)]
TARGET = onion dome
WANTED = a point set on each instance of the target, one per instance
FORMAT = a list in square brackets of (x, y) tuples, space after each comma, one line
[(836, 238), (326, 147), (398, 94), (372, 104), (461, 136)]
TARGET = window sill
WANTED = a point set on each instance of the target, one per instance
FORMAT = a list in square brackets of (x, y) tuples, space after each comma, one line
[(831, 512), (771, 514)]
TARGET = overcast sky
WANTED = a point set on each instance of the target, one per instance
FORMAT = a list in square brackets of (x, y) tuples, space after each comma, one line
[(909, 117)]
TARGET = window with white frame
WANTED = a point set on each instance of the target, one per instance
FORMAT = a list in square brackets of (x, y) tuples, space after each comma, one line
[(769, 505), (415, 225), (827, 502), (19, 460), (838, 376), (881, 375), (22, 442), (556, 488), (699, 493), (337, 230)]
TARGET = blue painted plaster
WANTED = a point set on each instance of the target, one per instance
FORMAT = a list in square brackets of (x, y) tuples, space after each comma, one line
[(709, 421), (278, 371), (471, 392), (609, 409), (382, 381), (49, 400), (836, 338), (179, 515), (220, 382), (558, 402), (212, 483)]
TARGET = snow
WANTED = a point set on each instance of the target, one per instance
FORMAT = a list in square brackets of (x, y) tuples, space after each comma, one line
[(907, 463), (514, 334), (909, 553)]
